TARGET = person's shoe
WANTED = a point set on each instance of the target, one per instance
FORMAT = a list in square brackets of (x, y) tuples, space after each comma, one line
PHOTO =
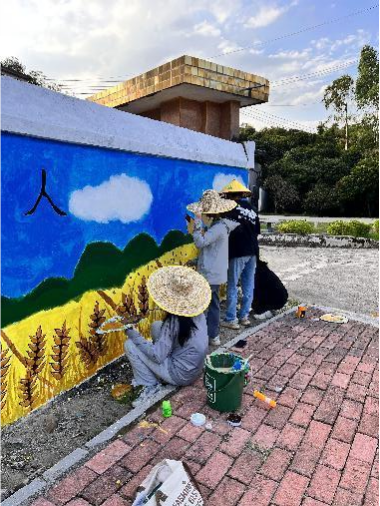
[(263, 316), (230, 325), (146, 393), (215, 341), (245, 322)]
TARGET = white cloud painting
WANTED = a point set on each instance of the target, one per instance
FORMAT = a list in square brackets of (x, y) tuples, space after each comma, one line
[(120, 198)]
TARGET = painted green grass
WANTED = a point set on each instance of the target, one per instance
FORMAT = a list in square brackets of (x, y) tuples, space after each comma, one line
[(101, 266)]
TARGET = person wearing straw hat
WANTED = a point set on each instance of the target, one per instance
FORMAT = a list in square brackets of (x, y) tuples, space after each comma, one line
[(179, 344), (213, 245), (243, 254)]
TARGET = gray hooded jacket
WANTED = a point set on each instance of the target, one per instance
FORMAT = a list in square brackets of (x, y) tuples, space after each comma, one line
[(185, 363), (213, 246)]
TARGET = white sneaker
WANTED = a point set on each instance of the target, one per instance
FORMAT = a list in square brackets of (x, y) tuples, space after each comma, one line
[(230, 325), (146, 393), (215, 341), (263, 316)]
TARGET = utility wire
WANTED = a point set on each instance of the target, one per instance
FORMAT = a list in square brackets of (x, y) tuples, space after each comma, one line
[(271, 117), (278, 118), (321, 72), (303, 30)]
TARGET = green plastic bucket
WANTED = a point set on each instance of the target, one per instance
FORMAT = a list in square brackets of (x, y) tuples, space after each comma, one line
[(224, 384)]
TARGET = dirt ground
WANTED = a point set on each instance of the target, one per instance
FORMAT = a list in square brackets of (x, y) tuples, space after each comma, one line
[(40, 440)]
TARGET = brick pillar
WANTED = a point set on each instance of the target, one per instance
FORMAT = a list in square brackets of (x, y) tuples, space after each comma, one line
[(191, 114), (219, 120), (170, 112), (213, 117), (229, 124)]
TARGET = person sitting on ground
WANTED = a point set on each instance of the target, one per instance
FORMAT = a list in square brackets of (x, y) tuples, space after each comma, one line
[(179, 344), (243, 254), (213, 245)]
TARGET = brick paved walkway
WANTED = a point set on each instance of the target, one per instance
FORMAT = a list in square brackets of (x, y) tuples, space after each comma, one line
[(319, 446)]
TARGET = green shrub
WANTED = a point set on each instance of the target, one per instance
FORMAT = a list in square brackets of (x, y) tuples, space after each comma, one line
[(375, 230), (353, 228), (302, 227)]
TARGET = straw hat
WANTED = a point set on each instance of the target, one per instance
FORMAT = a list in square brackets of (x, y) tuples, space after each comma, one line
[(235, 186), (179, 290), (211, 203)]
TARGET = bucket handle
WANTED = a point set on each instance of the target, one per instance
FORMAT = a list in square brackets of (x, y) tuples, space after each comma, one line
[(220, 389)]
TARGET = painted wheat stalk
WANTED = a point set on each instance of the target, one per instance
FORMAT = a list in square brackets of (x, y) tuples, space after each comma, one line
[(27, 388), (34, 364), (5, 364), (36, 353), (96, 345), (143, 297), (87, 352), (60, 352), (127, 307), (98, 340)]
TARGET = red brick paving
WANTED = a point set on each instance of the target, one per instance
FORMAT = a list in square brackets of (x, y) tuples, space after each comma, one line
[(318, 447)]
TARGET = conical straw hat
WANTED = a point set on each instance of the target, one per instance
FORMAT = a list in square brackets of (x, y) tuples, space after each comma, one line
[(211, 203), (235, 186), (179, 290)]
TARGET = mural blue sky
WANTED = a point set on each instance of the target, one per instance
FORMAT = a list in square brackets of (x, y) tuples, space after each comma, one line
[(108, 196), (66, 39)]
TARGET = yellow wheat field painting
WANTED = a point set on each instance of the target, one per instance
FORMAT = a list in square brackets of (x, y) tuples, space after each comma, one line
[(54, 350)]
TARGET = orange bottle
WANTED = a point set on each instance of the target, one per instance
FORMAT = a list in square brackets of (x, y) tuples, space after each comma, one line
[(264, 398), (301, 311)]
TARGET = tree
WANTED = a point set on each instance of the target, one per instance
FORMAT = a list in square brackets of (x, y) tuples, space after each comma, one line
[(322, 200), (283, 193), (367, 82), (338, 96), (33, 77), (367, 92), (360, 189), (322, 173)]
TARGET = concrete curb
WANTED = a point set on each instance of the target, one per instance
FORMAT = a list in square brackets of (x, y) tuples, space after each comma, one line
[(316, 241), (64, 464), (25, 494)]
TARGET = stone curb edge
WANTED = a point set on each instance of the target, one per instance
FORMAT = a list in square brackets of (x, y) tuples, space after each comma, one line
[(316, 241), (26, 493)]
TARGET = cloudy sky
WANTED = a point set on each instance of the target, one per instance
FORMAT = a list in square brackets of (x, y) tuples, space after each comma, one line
[(100, 40)]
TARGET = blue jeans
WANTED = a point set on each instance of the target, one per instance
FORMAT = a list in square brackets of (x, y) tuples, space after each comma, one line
[(213, 313), (242, 268)]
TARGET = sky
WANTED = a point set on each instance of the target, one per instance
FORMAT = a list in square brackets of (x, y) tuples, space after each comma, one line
[(99, 40)]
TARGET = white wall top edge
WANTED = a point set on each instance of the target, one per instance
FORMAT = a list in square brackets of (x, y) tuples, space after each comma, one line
[(31, 110)]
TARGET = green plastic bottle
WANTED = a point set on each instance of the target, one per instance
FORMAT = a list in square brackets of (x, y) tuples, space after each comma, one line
[(166, 409)]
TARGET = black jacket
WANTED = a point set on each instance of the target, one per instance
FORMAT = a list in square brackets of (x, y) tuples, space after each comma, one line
[(270, 293), (243, 240)]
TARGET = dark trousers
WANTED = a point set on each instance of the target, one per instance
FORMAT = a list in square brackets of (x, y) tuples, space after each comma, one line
[(213, 313)]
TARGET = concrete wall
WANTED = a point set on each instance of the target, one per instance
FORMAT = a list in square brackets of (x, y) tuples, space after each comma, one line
[(93, 201)]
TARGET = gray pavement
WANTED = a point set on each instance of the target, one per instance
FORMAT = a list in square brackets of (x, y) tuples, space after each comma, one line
[(342, 278)]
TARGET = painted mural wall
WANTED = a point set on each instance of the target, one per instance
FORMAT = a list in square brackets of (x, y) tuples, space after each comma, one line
[(82, 229)]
